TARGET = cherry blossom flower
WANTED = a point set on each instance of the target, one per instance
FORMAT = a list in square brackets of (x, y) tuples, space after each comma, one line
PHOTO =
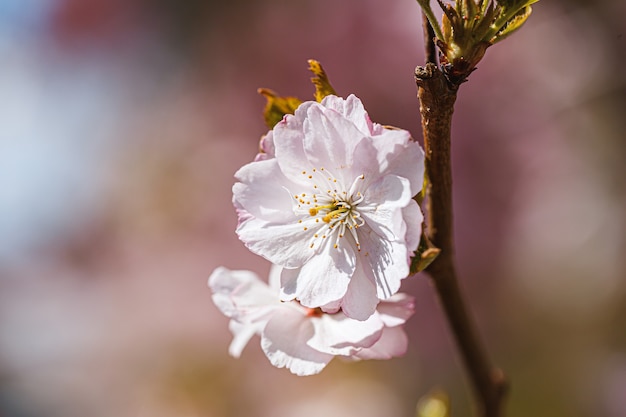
[(329, 198), (302, 339)]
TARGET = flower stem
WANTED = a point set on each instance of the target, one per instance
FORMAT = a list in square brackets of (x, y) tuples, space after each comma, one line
[(437, 99)]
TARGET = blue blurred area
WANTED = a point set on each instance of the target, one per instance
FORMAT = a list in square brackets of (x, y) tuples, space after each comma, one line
[(25, 16), (57, 134)]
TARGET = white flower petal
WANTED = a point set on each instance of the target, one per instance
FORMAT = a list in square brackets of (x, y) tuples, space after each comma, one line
[(242, 333), (361, 298), (337, 334), (352, 109), (266, 147), (284, 341), (386, 198), (397, 309), (324, 278), (399, 155), (263, 191), (413, 218), (289, 142), (392, 343), (329, 142), (286, 245), (333, 306), (241, 294), (289, 283), (366, 163), (303, 339), (388, 260)]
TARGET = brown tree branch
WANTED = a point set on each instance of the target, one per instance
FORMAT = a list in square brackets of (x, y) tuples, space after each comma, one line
[(437, 99)]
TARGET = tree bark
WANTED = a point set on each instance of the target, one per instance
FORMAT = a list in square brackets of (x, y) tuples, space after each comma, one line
[(437, 99)]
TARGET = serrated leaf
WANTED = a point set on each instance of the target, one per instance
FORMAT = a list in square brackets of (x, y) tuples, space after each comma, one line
[(277, 107), (322, 85), (513, 24), (435, 404), (515, 4)]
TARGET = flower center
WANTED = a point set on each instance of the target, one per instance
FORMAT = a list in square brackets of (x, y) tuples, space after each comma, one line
[(331, 209)]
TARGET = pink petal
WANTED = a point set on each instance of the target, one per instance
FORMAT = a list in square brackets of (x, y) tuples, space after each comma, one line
[(332, 307), (399, 155), (337, 334), (322, 279), (413, 218), (366, 162), (284, 341), (361, 298), (392, 343), (242, 333), (286, 245), (388, 260), (266, 145), (329, 142), (263, 192), (288, 143), (352, 109), (240, 293), (383, 206), (397, 309)]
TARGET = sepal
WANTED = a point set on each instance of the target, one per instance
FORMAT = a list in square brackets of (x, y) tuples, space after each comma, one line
[(277, 107), (425, 254), (320, 80)]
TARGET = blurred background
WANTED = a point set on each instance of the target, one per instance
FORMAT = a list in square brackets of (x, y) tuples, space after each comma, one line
[(123, 121)]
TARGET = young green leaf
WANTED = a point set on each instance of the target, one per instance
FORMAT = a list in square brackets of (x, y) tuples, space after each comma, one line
[(514, 24)]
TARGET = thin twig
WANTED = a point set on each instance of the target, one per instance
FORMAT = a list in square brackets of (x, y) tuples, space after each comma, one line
[(430, 49), (437, 99)]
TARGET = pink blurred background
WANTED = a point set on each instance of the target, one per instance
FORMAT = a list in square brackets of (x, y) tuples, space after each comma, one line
[(122, 123)]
